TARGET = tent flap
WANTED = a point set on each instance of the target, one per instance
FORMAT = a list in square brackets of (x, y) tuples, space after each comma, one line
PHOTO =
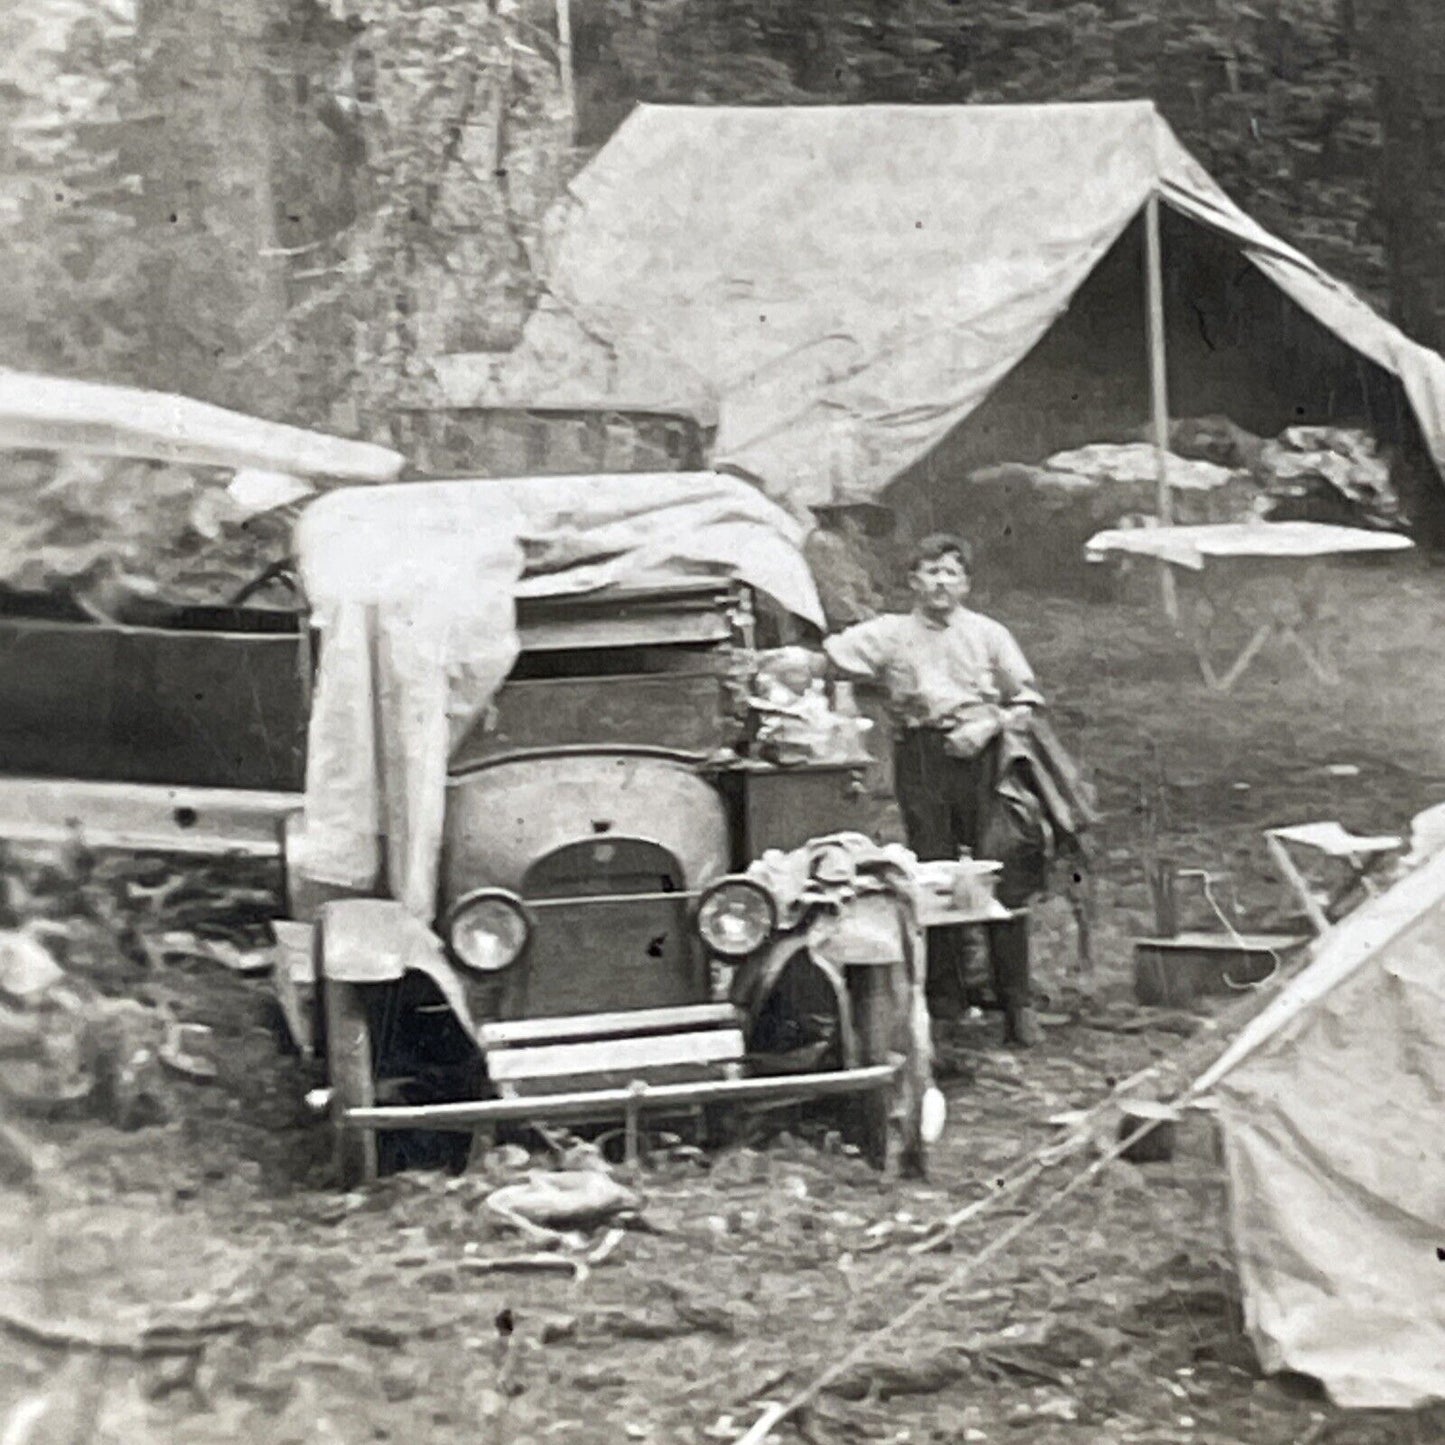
[(1330, 1103)]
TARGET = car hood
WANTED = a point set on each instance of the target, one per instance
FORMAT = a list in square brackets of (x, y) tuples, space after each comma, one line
[(505, 816)]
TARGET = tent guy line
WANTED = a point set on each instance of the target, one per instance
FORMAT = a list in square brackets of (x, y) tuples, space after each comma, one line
[(1011, 1184), (775, 1414)]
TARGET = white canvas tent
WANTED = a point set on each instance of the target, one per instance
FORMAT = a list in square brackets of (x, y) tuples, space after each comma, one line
[(837, 288), (1332, 1105)]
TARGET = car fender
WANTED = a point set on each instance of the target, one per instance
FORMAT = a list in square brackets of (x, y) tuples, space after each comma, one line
[(757, 979), (375, 940)]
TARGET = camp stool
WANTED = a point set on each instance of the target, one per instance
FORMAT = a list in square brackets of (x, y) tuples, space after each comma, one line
[(1362, 857)]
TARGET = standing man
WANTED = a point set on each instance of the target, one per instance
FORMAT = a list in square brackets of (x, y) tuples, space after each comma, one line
[(955, 681)]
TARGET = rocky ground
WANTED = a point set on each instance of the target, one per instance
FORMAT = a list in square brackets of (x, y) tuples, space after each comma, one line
[(177, 1267)]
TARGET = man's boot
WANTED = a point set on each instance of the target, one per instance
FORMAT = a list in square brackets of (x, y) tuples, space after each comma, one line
[(1009, 960)]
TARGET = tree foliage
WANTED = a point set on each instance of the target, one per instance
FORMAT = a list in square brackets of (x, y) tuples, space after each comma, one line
[(292, 205), (451, 136), (73, 272), (1405, 40), (263, 204)]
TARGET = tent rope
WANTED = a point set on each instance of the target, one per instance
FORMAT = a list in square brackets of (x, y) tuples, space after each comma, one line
[(775, 1414), (1017, 1178)]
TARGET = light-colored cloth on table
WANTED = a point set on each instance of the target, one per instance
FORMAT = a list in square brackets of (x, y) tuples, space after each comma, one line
[(952, 674), (1191, 546)]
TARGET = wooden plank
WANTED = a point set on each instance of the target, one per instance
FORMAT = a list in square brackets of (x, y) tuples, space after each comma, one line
[(594, 1026), (658, 1076), (1298, 884), (294, 980), (716, 1046), (940, 915), (145, 817), (1230, 942), (641, 630), (1331, 838)]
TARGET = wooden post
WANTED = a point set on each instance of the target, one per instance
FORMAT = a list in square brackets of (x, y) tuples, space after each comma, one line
[(632, 1126), (1159, 388), (1299, 884), (564, 61)]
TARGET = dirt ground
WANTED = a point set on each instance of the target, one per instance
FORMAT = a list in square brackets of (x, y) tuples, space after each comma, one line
[(197, 1280)]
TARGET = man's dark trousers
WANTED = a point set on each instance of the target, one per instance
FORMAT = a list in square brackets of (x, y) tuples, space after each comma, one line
[(941, 799)]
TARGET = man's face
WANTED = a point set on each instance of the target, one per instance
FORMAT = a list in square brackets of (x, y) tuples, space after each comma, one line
[(939, 584)]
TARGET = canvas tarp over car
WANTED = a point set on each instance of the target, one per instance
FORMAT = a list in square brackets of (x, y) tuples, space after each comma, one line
[(131, 524), (48, 413), (1331, 1103), (413, 588), (837, 288)]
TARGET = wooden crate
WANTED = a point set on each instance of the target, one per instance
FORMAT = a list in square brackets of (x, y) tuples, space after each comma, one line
[(787, 807)]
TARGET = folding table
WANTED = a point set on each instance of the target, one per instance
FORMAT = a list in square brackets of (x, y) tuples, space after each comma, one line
[(1269, 569), (935, 912)]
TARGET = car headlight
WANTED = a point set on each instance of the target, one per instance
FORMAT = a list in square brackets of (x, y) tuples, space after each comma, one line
[(735, 917), (488, 929)]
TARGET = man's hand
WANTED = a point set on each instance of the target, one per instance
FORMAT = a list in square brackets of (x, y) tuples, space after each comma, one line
[(794, 655), (794, 659), (795, 668)]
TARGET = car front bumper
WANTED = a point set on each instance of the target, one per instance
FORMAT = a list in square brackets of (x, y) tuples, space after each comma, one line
[(639, 1097)]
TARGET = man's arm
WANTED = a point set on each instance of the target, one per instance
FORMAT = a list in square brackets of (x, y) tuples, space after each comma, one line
[(858, 654), (1013, 675)]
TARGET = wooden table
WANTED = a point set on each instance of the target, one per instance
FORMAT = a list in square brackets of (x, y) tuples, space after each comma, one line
[(934, 913), (1268, 573)]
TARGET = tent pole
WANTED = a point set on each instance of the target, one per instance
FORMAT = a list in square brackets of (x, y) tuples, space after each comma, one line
[(564, 60), (1159, 388)]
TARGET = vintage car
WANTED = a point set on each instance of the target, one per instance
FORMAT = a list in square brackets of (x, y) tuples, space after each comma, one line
[(590, 947)]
